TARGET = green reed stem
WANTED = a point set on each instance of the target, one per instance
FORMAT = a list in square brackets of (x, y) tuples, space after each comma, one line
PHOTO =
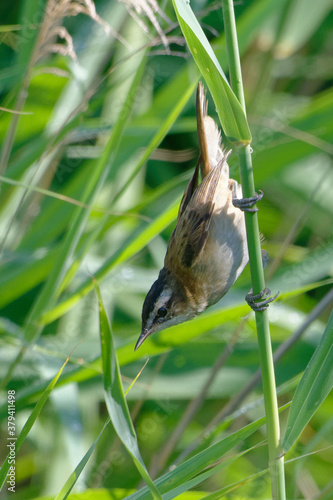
[(276, 462)]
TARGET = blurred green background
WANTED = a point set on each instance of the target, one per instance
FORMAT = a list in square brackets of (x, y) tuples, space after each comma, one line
[(93, 165)]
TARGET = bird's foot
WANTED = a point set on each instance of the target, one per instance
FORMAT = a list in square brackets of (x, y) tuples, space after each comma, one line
[(246, 204), (262, 305)]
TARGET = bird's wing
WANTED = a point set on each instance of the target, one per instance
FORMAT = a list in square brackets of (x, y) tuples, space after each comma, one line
[(190, 188), (190, 236)]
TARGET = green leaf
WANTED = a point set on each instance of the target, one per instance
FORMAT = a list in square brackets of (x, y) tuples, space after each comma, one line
[(217, 495), (314, 387), (196, 464), (231, 114), (115, 398), (28, 425), (176, 492)]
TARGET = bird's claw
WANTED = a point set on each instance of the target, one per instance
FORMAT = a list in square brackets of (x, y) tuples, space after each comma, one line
[(246, 204), (263, 304)]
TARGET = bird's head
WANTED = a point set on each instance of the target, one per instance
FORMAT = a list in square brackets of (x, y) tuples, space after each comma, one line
[(166, 304)]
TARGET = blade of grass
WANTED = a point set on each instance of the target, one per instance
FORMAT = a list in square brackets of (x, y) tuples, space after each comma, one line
[(29, 423), (204, 475), (196, 464), (231, 113), (314, 387), (136, 378), (27, 45), (115, 398), (217, 495)]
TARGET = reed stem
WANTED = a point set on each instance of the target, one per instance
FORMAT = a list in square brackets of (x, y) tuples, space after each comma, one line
[(276, 462)]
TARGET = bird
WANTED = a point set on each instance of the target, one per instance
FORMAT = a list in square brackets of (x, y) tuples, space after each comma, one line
[(207, 250)]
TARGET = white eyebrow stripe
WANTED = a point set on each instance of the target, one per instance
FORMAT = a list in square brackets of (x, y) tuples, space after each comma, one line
[(161, 301)]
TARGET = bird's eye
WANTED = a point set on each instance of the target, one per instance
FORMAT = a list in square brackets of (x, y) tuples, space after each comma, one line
[(162, 312)]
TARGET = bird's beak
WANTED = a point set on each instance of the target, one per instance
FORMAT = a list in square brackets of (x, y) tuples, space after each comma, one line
[(142, 338)]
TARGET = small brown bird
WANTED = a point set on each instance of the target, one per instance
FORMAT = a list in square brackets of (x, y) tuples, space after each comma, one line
[(207, 250)]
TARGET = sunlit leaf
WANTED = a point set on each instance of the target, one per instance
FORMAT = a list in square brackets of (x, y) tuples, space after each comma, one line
[(196, 464), (115, 398), (231, 114), (314, 387)]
